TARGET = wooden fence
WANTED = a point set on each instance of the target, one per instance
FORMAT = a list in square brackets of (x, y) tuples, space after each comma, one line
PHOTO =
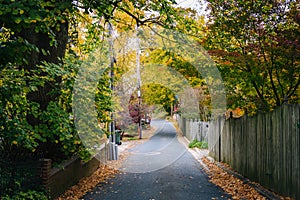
[(264, 148), (193, 129)]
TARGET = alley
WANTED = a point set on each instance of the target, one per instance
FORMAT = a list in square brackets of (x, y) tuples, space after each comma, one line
[(160, 168)]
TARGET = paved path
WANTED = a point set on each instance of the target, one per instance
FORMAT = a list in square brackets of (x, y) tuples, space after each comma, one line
[(159, 169)]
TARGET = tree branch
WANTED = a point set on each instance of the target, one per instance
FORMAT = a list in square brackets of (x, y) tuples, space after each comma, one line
[(294, 89)]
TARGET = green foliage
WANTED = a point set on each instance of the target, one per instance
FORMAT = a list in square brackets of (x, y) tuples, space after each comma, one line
[(28, 195), (180, 73), (178, 63), (159, 112), (36, 17), (157, 94), (256, 47), (14, 108), (132, 139), (23, 14), (103, 99), (198, 144), (57, 130), (39, 65), (55, 135), (19, 173)]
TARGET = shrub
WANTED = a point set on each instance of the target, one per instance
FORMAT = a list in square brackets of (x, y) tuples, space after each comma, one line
[(28, 195), (198, 144)]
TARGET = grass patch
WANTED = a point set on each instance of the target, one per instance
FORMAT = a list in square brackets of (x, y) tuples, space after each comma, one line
[(132, 138), (198, 144)]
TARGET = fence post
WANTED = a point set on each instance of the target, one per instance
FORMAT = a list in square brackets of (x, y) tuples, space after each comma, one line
[(45, 172), (220, 139), (184, 126), (187, 128)]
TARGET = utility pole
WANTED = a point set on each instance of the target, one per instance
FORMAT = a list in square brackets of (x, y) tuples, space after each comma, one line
[(112, 138), (138, 54)]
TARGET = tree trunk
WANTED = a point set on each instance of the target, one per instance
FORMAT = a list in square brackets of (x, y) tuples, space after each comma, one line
[(43, 41)]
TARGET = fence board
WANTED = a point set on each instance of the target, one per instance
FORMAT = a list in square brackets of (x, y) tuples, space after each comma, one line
[(269, 153), (264, 148), (252, 151), (285, 150)]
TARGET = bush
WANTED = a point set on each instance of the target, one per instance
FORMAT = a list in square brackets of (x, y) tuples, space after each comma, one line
[(198, 144), (25, 125), (28, 195)]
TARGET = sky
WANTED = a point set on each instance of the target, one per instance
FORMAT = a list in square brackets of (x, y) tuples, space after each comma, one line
[(198, 5)]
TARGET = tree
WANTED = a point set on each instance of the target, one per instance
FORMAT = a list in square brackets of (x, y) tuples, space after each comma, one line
[(40, 30), (190, 73), (154, 94), (42, 46), (256, 47)]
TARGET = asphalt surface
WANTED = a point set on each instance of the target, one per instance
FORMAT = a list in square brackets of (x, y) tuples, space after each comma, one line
[(159, 169)]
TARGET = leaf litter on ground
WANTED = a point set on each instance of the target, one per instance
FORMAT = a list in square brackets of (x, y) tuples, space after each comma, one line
[(104, 173), (232, 185), (87, 184)]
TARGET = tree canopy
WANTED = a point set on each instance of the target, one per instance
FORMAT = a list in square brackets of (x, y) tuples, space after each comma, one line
[(256, 46), (42, 46)]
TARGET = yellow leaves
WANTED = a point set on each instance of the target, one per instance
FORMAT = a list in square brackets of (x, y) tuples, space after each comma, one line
[(101, 175), (18, 20), (76, 142), (126, 22), (14, 142), (21, 12)]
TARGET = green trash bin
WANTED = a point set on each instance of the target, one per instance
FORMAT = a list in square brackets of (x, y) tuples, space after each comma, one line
[(118, 137)]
